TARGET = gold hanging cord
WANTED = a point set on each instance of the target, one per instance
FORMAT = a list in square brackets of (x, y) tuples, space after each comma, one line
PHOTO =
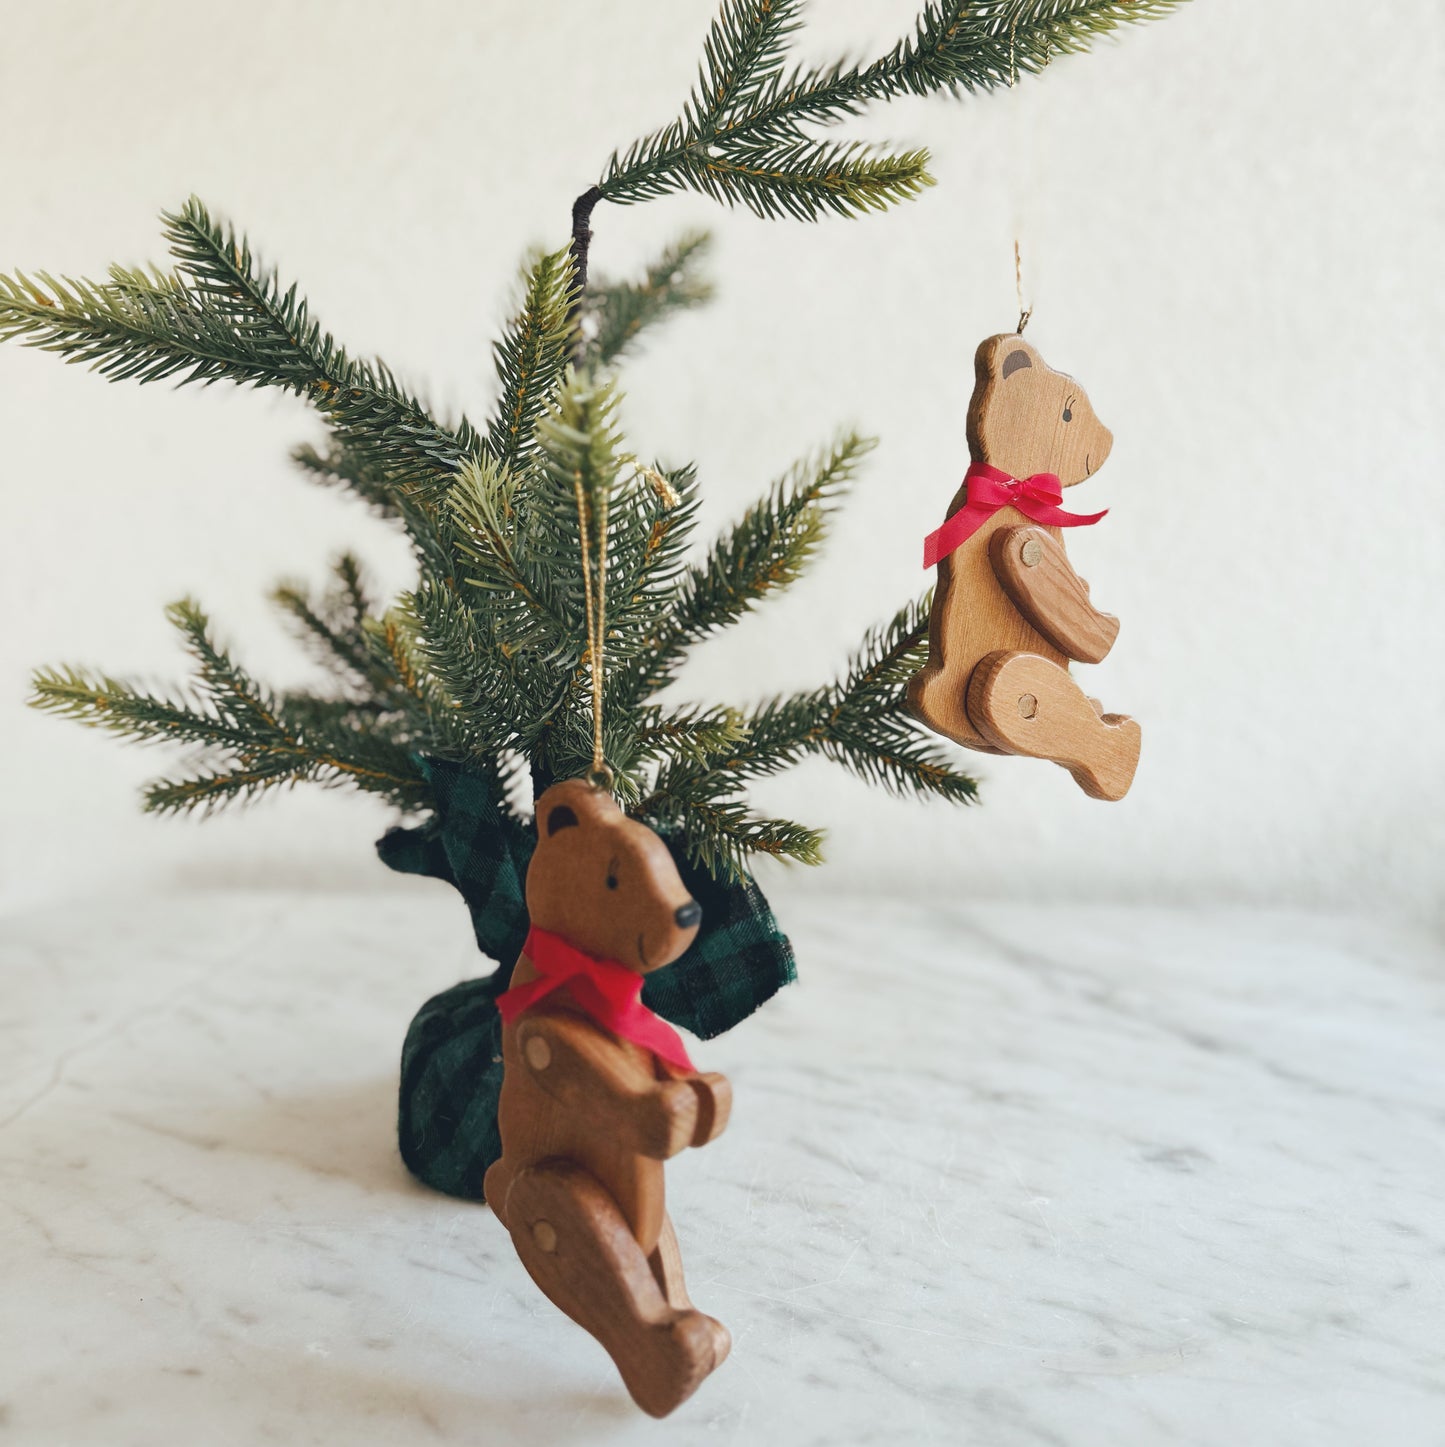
[(595, 595)]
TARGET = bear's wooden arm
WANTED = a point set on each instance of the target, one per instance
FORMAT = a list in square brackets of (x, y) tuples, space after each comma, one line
[(714, 1101), (1035, 572), (583, 1069)]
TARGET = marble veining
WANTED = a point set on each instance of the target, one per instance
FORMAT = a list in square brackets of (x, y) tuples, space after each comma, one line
[(996, 1175)]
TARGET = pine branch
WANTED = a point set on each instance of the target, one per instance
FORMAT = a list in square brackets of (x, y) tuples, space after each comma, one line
[(333, 627), (637, 746), (650, 522), (140, 325), (340, 467), (351, 600), (518, 536), (781, 732), (888, 657), (703, 808), (742, 53), (203, 791), (901, 757), (615, 313), (508, 556), (531, 358), (362, 400), (861, 722), (419, 512), (960, 46), (576, 523), (249, 740), (689, 735), (499, 701), (330, 646), (741, 137), (226, 686), (651, 517), (99, 701), (804, 178), (433, 721), (219, 317), (386, 685), (773, 169), (635, 522), (766, 550)]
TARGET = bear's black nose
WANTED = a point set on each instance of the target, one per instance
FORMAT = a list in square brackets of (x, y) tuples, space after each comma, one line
[(688, 914)]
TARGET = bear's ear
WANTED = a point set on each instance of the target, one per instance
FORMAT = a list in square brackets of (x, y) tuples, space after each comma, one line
[(999, 357), (1014, 361), (560, 817)]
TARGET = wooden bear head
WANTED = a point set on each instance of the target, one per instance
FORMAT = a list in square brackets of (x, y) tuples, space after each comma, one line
[(1027, 418), (606, 883)]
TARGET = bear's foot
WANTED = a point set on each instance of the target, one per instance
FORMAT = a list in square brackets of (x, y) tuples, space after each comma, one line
[(1024, 704), (577, 1246), (666, 1263)]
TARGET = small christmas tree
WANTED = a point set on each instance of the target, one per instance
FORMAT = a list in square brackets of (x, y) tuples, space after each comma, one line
[(484, 666)]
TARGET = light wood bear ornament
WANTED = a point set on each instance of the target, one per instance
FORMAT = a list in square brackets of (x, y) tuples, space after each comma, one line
[(1009, 612), (597, 1092)]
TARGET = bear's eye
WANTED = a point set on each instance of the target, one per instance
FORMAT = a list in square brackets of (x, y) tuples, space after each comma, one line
[(612, 875), (1068, 414)]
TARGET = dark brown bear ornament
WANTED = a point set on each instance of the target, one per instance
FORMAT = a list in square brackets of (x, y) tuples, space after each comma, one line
[(1009, 612), (598, 1092)]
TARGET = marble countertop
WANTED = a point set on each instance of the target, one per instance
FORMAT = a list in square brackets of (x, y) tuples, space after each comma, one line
[(995, 1175)]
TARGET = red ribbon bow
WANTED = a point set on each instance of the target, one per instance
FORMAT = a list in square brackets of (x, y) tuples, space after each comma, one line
[(607, 990), (990, 488)]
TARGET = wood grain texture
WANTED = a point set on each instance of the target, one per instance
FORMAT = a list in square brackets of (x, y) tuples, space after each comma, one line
[(1023, 418), (1033, 569), (577, 1246), (972, 617), (587, 1119), (1028, 705)]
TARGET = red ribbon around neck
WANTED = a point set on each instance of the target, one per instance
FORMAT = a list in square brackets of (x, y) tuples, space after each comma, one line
[(990, 488), (608, 991)]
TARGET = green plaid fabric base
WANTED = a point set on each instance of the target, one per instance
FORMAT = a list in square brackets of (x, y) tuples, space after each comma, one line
[(451, 1061)]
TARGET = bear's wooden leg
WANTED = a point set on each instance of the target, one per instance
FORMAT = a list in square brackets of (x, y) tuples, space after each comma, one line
[(577, 1246), (937, 698), (1029, 705), (666, 1263)]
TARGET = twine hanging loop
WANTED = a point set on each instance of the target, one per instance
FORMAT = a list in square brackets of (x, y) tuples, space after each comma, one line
[(1025, 312)]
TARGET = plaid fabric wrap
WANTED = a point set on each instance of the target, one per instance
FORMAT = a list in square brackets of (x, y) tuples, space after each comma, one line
[(451, 1061)]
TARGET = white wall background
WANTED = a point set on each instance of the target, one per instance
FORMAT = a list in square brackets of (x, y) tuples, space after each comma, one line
[(1232, 227)]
